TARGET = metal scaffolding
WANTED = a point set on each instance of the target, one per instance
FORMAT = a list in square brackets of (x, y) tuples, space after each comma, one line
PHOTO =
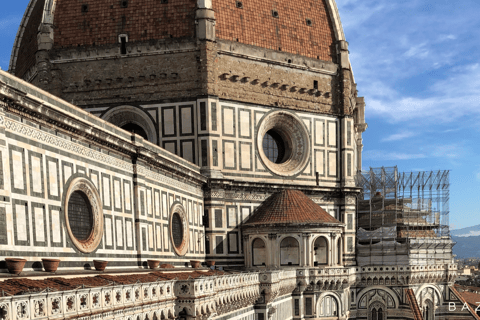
[(402, 218), (403, 205)]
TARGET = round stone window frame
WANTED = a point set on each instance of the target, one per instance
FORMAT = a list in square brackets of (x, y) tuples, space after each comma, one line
[(178, 208), (87, 187), (295, 137), (122, 115)]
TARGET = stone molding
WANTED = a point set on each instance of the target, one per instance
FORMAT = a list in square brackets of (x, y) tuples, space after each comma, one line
[(201, 297), (296, 139), (125, 114), (68, 118), (63, 144), (88, 188), (177, 208)]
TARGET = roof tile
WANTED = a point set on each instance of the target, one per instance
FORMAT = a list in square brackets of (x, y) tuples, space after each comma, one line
[(290, 207)]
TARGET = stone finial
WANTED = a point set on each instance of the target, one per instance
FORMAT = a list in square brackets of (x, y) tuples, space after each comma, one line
[(204, 4)]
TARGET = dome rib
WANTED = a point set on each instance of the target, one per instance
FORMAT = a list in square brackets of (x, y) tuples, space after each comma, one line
[(290, 207)]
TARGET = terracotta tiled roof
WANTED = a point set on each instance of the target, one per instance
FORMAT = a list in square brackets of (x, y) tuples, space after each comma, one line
[(19, 285), (470, 298), (290, 207), (412, 301)]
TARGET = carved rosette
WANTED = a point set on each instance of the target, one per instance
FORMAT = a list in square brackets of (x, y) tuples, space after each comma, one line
[(88, 188), (296, 139), (178, 208)]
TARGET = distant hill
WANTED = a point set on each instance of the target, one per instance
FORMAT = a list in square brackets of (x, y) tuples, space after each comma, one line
[(466, 232), (466, 247)]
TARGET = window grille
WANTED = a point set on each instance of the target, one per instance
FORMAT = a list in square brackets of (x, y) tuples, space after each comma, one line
[(80, 215)]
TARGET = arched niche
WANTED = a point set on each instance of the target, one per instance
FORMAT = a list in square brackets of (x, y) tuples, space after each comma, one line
[(320, 251), (289, 252), (428, 310), (329, 307), (132, 119), (377, 311), (259, 252)]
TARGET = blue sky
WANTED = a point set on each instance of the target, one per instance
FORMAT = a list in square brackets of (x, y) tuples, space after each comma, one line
[(417, 64)]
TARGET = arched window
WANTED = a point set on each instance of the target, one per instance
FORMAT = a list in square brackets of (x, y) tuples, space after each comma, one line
[(428, 311), (329, 307), (320, 251), (289, 252), (258, 252), (377, 312)]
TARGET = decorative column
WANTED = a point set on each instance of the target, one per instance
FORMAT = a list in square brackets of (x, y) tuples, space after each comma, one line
[(247, 251), (272, 254), (306, 249), (333, 236)]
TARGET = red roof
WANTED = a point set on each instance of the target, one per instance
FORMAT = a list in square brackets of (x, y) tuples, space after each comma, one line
[(290, 207), (412, 301), (470, 298)]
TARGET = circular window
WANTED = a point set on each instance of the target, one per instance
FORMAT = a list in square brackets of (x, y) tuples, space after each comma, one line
[(83, 214), (80, 215), (179, 228), (283, 143), (274, 146)]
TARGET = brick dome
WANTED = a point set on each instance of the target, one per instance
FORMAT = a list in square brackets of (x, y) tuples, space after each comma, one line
[(300, 27), (290, 207)]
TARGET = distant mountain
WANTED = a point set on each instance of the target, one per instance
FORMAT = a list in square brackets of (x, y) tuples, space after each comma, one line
[(466, 247), (466, 232)]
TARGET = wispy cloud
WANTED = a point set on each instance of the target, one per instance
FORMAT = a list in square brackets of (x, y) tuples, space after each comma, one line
[(399, 136), (418, 51), (7, 23), (449, 151), (444, 151), (384, 155), (477, 173), (445, 100)]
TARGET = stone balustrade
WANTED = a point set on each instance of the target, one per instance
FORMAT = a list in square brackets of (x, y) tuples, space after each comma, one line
[(164, 299), (108, 302), (326, 278), (405, 274)]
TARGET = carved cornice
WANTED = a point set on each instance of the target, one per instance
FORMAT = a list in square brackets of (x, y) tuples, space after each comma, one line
[(24, 106)]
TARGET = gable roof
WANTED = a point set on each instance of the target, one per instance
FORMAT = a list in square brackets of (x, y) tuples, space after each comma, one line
[(290, 207), (468, 298)]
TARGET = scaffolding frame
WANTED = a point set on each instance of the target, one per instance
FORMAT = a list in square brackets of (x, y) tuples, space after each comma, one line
[(403, 208)]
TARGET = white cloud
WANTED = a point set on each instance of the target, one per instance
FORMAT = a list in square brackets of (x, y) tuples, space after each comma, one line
[(446, 37), (382, 155), (470, 234), (418, 51), (6, 24), (399, 136), (449, 151), (447, 101), (477, 173), (417, 151)]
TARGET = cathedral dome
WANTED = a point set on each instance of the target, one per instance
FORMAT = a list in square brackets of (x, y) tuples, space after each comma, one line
[(290, 207), (307, 28)]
